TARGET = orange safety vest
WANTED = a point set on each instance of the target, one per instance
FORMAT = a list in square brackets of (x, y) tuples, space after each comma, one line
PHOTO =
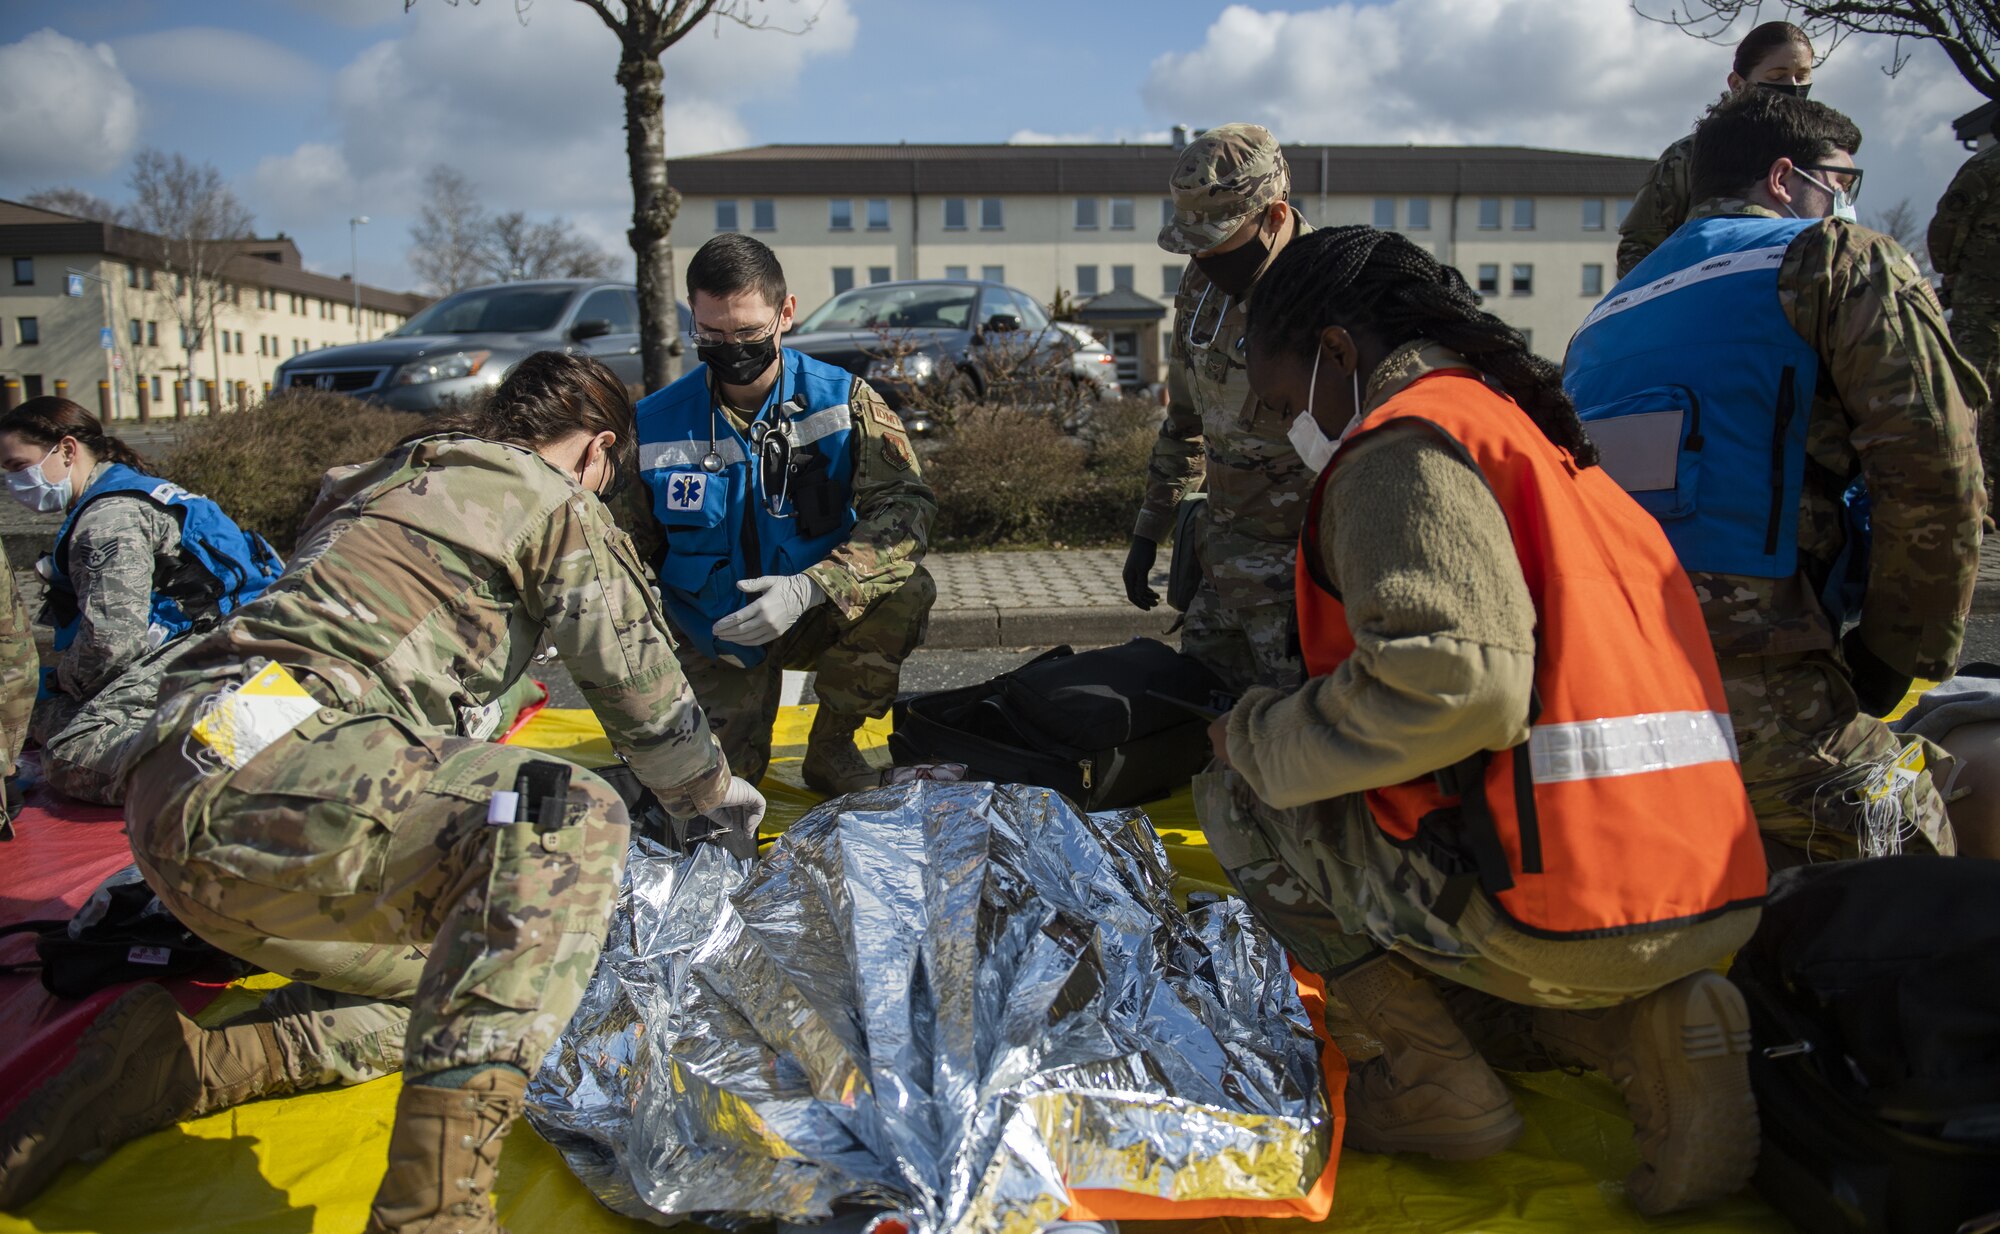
[(1624, 810)]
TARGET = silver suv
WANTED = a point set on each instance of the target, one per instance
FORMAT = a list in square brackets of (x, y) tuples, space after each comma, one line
[(464, 344)]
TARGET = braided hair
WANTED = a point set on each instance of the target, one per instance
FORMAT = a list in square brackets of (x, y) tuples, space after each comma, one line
[(1379, 281)]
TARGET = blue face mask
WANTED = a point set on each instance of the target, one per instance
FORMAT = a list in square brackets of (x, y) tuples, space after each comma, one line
[(33, 489)]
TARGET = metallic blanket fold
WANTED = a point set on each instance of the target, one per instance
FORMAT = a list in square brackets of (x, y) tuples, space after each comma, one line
[(958, 1002)]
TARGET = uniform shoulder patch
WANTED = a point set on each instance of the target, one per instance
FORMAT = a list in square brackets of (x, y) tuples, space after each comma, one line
[(879, 412), (896, 449)]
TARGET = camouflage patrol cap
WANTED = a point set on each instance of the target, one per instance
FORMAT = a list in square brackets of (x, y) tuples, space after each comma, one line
[(1223, 177)]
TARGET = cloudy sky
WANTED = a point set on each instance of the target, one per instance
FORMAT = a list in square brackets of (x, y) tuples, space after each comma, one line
[(317, 110)]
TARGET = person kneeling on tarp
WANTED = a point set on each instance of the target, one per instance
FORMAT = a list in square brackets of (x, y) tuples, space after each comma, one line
[(139, 565), (306, 799), (1510, 773)]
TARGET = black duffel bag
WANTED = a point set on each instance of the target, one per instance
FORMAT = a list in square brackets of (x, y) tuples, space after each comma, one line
[(1874, 993), (121, 933), (1108, 728)]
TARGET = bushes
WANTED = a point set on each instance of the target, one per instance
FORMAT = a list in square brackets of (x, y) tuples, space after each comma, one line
[(1009, 476), (263, 466)]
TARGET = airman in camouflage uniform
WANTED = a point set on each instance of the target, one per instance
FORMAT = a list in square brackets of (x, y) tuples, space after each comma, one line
[(1660, 206), (1217, 435), (19, 671), (356, 853), (1895, 404), (1965, 248)]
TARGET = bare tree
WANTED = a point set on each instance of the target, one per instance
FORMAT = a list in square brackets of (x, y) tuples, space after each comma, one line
[(76, 202), (448, 240), (645, 29), (193, 221), (1907, 226), (1967, 30), (517, 247)]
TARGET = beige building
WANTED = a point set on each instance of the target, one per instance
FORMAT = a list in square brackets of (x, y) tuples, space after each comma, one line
[(53, 342), (1535, 230)]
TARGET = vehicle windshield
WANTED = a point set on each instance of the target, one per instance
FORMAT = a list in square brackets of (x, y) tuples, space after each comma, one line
[(500, 310), (945, 307)]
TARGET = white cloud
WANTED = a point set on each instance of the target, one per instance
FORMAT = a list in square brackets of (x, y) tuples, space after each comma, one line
[(70, 112), (220, 61), (1570, 74), (310, 185), (1094, 137)]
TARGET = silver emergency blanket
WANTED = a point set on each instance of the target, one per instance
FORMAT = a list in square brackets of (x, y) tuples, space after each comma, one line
[(953, 1001)]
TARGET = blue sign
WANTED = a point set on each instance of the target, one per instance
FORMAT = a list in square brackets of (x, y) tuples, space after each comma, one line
[(75, 285), (104, 338)]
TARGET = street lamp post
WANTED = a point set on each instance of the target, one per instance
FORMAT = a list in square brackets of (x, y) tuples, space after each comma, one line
[(354, 266)]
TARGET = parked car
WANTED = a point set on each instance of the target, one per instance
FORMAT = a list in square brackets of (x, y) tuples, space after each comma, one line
[(926, 342), (466, 343), (1090, 361)]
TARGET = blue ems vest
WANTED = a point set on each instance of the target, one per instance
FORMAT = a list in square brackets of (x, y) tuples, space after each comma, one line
[(774, 507), (1697, 391), (223, 566)]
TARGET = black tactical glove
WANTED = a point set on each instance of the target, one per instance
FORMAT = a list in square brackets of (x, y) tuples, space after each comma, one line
[(1138, 564), (1878, 686)]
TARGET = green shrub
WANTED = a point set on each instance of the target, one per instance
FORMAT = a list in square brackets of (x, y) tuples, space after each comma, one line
[(1008, 476), (263, 466)]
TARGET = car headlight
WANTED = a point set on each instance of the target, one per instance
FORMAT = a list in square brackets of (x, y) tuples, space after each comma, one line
[(917, 366), (441, 368)]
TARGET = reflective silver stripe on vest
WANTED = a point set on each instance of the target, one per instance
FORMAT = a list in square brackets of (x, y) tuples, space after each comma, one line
[(1629, 745), (687, 453), (822, 423), (1748, 262)]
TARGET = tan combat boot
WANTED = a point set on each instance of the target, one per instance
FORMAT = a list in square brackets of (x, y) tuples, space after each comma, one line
[(1426, 1090), (140, 1066), (1681, 1057), (833, 763), (443, 1152)]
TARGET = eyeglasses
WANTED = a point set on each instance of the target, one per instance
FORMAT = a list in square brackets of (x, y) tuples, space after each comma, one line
[(749, 334), (1850, 177)]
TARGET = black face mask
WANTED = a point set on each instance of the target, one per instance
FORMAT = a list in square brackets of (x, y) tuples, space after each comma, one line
[(1235, 272), (739, 364), (1798, 90)]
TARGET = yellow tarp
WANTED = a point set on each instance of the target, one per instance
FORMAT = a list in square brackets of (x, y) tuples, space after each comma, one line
[(310, 1162)]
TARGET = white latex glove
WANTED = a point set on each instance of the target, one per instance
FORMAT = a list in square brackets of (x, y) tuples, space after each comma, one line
[(783, 600), (742, 806)]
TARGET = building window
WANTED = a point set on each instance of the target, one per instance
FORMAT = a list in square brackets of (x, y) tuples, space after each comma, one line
[(131, 276), (1086, 280), (991, 216), (29, 330), (1489, 214), (763, 215), (152, 334), (24, 272), (1121, 214), (954, 214), (1170, 279), (1624, 208), (840, 214), (31, 385), (993, 274), (1385, 213), (1086, 214), (1122, 278), (878, 214), (725, 216), (1489, 279), (879, 274), (954, 272), (1523, 283), (146, 278), (134, 333), (1524, 214), (239, 342), (1166, 211), (1418, 217), (156, 387), (843, 279), (224, 343), (1593, 214), (1593, 279)]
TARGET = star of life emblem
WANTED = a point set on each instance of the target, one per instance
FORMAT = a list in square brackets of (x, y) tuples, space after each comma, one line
[(685, 492)]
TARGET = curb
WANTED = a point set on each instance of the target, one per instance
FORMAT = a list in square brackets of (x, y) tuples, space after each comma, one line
[(964, 629)]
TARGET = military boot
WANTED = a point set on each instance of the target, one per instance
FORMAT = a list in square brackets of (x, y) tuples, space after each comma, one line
[(833, 763), (443, 1152), (1680, 1056), (1426, 1090), (140, 1066)]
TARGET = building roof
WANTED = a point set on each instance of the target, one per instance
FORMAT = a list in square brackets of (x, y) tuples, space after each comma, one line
[(1978, 122), (272, 263), (970, 169), (1121, 304)]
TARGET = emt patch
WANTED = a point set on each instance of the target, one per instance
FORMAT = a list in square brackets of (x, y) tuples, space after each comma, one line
[(687, 490)]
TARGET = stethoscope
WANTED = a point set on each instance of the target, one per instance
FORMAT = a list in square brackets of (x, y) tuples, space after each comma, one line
[(1194, 320), (767, 437)]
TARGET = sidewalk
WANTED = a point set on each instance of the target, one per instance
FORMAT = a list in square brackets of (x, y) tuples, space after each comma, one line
[(1039, 599)]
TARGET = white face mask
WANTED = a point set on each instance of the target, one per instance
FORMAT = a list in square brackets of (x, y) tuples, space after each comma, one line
[(1843, 205), (33, 489), (1306, 437)]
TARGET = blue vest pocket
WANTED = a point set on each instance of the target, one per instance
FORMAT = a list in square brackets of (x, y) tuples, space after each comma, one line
[(690, 497), (1650, 443), (703, 577)]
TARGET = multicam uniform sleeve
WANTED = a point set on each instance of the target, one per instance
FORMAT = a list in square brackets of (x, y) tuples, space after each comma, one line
[(1659, 208), (1910, 399), (597, 605), (1962, 204), (1179, 461), (18, 670), (893, 508), (112, 551)]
